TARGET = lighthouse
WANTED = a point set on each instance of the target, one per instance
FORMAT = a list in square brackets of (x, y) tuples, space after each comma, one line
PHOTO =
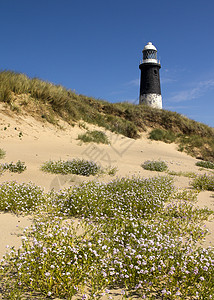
[(150, 91)]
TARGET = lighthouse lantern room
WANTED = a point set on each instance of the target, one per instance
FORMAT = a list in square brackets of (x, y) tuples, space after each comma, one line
[(150, 91)]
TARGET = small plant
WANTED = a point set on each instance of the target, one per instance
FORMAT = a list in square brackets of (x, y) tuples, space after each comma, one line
[(166, 136), (18, 167), (205, 164), (94, 136), (111, 171), (154, 165), (75, 166), (204, 182), (2, 153)]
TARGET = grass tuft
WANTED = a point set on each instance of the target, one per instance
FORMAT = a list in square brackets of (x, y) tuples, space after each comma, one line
[(204, 182), (94, 136), (162, 135)]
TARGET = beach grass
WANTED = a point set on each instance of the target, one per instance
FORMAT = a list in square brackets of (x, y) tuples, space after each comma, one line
[(94, 136)]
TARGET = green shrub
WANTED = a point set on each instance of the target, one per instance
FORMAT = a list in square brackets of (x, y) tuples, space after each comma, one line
[(154, 165), (205, 164), (75, 166), (162, 135), (204, 182), (94, 136), (18, 167)]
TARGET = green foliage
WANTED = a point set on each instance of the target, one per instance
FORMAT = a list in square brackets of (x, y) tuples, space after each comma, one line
[(2, 153), (204, 182), (75, 166), (20, 197), (162, 135), (137, 234), (154, 165), (94, 136), (18, 167), (205, 164)]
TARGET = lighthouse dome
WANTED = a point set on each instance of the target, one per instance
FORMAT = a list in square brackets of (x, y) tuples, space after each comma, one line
[(149, 46)]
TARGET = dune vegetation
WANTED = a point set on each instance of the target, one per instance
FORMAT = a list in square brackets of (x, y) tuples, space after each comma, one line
[(49, 102), (139, 236)]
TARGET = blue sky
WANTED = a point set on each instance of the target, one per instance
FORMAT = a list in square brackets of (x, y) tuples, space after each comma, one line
[(94, 47)]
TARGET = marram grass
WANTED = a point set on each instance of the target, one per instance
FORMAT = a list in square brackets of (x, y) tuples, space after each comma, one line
[(94, 136)]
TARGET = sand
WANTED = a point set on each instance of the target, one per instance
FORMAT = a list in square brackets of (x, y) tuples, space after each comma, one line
[(33, 142)]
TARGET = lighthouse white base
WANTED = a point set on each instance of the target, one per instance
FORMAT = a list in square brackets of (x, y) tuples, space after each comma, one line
[(152, 100)]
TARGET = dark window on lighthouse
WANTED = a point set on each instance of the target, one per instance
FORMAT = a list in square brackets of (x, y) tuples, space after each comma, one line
[(156, 72)]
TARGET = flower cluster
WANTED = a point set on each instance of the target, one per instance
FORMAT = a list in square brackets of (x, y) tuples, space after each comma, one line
[(20, 197), (18, 167), (137, 234), (119, 199), (75, 166)]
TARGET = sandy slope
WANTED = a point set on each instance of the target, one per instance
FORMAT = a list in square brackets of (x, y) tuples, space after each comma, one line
[(23, 138)]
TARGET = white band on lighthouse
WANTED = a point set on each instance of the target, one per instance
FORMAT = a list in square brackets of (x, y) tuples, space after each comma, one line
[(152, 100)]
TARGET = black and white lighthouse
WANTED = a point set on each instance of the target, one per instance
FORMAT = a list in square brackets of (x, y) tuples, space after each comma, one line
[(150, 91)]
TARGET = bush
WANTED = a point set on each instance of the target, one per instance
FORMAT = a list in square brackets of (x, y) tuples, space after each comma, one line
[(154, 165), (75, 166), (94, 136), (162, 135), (205, 164), (204, 182), (18, 167)]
